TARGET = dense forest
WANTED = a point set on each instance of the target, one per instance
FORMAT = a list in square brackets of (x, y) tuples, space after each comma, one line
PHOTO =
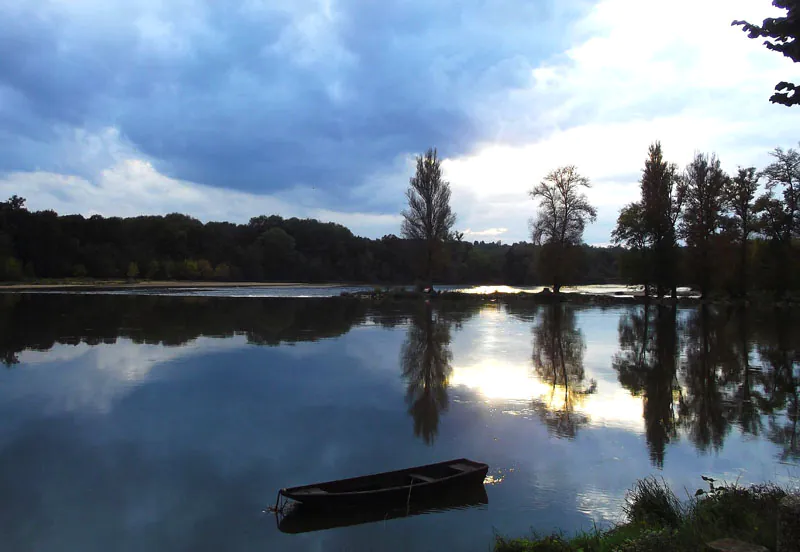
[(269, 248)]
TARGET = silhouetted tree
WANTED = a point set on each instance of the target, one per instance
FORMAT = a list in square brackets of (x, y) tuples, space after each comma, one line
[(662, 202), (740, 194), (631, 232), (558, 226), (705, 184), (14, 203), (783, 35), (779, 216), (429, 218)]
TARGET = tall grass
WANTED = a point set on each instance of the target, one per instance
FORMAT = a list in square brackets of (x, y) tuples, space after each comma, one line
[(658, 520), (652, 502)]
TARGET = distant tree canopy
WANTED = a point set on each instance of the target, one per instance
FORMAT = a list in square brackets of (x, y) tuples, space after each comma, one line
[(783, 35), (268, 248)]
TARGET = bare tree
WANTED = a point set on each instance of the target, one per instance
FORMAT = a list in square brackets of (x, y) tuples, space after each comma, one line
[(563, 214), (429, 218)]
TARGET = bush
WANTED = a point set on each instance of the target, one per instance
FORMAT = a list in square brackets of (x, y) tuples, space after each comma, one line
[(746, 513), (652, 502), (10, 269)]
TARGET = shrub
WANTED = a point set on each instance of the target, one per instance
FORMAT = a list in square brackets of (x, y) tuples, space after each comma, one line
[(651, 501)]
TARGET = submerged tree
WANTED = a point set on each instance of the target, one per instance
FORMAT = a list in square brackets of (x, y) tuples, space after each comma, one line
[(563, 214), (426, 360), (783, 35), (705, 185), (429, 218)]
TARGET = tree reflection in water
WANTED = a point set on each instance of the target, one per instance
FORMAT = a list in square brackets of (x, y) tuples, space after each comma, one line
[(558, 348), (738, 368), (778, 337), (646, 366), (426, 360)]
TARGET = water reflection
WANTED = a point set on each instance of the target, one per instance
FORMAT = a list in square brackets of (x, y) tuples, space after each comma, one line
[(426, 360), (39, 322), (708, 371), (300, 520), (558, 349), (778, 346), (646, 366)]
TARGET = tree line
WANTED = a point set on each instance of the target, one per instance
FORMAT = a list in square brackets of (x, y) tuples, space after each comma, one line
[(737, 235), (43, 244)]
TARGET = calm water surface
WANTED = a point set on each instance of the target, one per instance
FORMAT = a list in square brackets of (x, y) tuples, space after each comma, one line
[(169, 423)]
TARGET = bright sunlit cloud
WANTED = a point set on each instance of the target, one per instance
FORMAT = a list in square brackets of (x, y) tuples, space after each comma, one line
[(316, 108)]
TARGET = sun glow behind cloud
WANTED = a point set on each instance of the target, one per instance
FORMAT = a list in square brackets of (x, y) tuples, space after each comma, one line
[(305, 109)]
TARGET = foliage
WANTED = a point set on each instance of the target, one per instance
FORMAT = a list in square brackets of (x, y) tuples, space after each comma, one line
[(429, 218), (783, 35), (784, 175), (652, 502), (662, 202), (133, 271), (740, 193), (561, 219), (745, 513), (704, 191)]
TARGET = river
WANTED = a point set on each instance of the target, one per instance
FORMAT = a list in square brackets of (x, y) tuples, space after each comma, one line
[(160, 422)]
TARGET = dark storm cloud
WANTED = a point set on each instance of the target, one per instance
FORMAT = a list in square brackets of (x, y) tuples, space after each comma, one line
[(257, 97)]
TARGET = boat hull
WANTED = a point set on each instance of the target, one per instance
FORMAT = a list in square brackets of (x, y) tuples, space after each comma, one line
[(302, 519), (397, 487)]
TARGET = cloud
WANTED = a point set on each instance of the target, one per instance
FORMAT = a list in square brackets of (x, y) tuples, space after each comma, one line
[(318, 106), (132, 186), (489, 232), (678, 73), (261, 96)]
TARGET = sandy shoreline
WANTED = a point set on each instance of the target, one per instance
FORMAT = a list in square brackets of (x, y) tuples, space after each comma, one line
[(159, 285)]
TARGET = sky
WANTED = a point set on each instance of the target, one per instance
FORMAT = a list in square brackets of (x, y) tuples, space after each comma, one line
[(317, 108)]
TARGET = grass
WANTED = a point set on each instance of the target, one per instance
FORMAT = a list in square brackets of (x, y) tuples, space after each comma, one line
[(657, 520)]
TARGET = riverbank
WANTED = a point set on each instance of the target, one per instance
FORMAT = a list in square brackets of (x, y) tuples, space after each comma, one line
[(95, 285), (657, 520), (594, 295), (581, 298)]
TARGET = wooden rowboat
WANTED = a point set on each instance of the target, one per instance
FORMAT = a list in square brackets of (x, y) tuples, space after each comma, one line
[(300, 519), (396, 487)]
